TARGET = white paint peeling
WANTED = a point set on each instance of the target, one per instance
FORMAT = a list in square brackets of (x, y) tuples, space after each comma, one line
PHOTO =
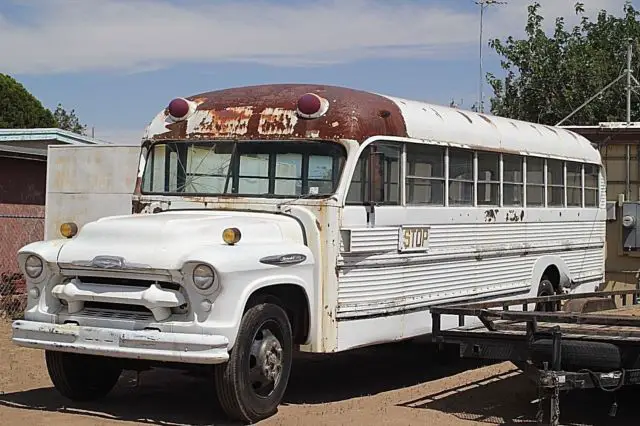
[(277, 121)]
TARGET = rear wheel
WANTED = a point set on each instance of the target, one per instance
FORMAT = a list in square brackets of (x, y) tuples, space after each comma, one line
[(251, 384), (82, 377), (545, 288)]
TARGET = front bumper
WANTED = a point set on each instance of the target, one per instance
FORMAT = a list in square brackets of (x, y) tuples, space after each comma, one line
[(142, 344)]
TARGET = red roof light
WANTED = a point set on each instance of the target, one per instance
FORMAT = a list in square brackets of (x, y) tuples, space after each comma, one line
[(311, 105), (179, 108)]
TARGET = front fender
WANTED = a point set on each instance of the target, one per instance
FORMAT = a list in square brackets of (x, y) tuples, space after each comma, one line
[(241, 274)]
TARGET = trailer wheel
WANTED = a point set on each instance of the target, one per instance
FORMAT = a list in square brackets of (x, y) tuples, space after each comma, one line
[(577, 355), (252, 383), (545, 288), (82, 377)]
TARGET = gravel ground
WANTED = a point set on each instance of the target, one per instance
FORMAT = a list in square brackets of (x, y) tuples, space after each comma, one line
[(401, 384)]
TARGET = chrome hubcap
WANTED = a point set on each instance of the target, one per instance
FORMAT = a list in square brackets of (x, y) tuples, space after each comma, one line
[(265, 362)]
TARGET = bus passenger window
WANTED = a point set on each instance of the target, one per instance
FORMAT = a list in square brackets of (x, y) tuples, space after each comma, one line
[(390, 171), (488, 179), (513, 183), (591, 185), (555, 183), (358, 189), (389, 174), (425, 174), (535, 182), (460, 177), (574, 184)]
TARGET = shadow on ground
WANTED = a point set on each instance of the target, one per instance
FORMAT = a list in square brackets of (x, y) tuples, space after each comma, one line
[(169, 397), (509, 398)]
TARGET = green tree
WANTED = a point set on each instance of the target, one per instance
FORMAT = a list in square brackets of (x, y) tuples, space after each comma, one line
[(548, 76), (68, 120), (19, 108)]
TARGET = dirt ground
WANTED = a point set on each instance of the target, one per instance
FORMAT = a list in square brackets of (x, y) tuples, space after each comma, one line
[(400, 384)]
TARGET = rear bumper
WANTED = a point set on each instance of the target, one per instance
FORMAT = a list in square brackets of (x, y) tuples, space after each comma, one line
[(143, 344)]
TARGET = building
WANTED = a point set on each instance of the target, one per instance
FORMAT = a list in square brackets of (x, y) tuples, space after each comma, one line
[(23, 170), (619, 145)]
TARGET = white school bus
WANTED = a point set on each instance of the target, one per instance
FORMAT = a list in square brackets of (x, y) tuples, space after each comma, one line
[(276, 218)]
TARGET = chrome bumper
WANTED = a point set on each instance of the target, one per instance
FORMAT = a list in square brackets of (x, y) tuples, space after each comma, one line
[(143, 344)]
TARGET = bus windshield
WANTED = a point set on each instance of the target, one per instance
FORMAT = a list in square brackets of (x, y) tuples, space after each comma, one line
[(264, 168)]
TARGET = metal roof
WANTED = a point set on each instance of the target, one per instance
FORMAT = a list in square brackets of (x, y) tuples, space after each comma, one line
[(270, 112), (33, 143)]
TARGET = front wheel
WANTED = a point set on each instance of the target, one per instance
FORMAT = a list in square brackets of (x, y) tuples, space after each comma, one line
[(82, 377), (252, 383)]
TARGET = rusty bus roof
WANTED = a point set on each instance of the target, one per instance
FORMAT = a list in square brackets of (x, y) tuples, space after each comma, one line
[(269, 112)]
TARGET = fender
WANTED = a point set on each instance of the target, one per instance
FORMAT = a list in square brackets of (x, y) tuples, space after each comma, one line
[(542, 263), (241, 274)]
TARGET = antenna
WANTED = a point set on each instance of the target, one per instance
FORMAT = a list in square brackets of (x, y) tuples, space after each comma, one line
[(483, 5)]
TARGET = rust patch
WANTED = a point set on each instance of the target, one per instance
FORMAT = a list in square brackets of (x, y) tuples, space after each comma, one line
[(277, 121), (224, 122), (269, 112), (138, 207)]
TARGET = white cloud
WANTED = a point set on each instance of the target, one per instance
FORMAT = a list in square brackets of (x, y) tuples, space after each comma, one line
[(129, 35)]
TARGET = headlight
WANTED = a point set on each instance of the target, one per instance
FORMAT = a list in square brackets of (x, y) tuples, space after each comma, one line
[(203, 277), (33, 266)]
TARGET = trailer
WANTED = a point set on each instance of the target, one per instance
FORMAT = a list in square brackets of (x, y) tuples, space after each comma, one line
[(587, 340)]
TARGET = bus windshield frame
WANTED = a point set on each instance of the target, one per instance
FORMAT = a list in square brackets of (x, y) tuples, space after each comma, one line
[(264, 169)]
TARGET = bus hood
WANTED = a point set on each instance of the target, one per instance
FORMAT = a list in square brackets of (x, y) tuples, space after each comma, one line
[(164, 240)]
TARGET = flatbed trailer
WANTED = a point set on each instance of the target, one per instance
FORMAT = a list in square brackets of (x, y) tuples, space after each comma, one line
[(560, 350)]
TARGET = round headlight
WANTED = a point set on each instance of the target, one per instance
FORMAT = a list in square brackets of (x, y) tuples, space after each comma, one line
[(203, 277), (33, 266)]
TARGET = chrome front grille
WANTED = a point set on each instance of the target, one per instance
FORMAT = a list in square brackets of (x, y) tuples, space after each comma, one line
[(104, 313), (115, 304)]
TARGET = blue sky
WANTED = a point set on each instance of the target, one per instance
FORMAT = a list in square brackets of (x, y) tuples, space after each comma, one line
[(118, 62)]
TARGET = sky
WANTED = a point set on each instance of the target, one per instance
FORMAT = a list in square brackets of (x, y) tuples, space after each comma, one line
[(117, 63)]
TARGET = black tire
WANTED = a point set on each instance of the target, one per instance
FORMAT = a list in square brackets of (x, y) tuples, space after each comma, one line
[(82, 377), (576, 355), (238, 394), (545, 288)]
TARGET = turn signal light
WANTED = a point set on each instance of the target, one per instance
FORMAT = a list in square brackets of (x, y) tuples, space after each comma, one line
[(231, 236), (68, 230)]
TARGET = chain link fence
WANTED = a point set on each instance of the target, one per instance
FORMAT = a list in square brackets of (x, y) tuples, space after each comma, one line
[(17, 229)]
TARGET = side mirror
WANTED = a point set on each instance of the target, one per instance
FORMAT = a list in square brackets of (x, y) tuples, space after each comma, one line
[(376, 178)]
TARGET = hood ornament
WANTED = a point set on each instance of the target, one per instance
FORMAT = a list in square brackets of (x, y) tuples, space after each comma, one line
[(108, 262)]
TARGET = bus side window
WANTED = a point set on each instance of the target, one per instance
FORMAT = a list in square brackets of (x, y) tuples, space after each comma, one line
[(359, 187), (387, 171), (425, 175), (461, 187)]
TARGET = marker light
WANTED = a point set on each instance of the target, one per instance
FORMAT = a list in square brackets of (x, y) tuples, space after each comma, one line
[(311, 105), (231, 236), (68, 229), (179, 108)]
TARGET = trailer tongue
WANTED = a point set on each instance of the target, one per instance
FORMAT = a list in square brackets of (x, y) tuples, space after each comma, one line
[(559, 350)]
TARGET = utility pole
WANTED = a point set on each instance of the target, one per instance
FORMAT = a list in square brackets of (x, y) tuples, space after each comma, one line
[(629, 89), (483, 5)]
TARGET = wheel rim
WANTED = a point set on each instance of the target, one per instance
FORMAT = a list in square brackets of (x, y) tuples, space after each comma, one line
[(546, 306), (266, 360)]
